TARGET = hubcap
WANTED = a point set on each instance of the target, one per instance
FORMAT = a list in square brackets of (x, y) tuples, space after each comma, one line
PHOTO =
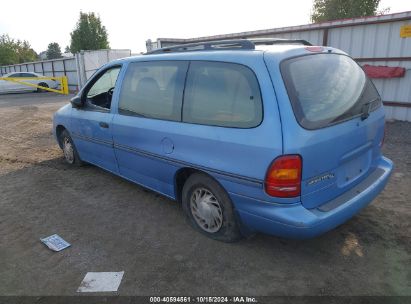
[(206, 210), (68, 150)]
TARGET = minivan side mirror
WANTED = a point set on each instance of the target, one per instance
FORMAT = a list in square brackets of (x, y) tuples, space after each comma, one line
[(76, 102)]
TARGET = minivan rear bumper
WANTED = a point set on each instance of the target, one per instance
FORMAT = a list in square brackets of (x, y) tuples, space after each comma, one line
[(296, 221)]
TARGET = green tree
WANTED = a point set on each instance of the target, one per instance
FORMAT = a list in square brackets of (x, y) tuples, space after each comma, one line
[(326, 10), (25, 52), (89, 34), (15, 51), (53, 51)]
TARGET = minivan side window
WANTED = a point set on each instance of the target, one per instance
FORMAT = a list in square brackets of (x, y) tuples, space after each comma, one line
[(105, 82), (222, 94), (153, 89), (100, 93)]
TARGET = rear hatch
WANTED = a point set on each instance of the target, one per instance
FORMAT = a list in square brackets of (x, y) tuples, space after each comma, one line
[(337, 123)]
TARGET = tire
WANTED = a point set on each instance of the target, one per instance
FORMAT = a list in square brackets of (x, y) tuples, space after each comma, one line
[(69, 149), (203, 198), (43, 84)]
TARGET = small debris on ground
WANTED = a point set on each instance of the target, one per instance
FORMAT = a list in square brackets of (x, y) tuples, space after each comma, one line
[(55, 242), (101, 281)]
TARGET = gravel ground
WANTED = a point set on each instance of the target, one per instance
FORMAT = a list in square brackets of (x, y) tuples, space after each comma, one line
[(114, 225)]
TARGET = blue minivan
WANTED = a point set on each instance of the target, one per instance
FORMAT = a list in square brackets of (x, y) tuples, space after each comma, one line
[(268, 135)]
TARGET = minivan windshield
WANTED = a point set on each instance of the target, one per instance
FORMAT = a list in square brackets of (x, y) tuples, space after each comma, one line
[(325, 89)]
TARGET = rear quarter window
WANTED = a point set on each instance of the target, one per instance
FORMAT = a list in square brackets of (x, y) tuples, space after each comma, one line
[(325, 89), (222, 94)]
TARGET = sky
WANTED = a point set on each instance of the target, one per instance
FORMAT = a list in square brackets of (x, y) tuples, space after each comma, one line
[(131, 23)]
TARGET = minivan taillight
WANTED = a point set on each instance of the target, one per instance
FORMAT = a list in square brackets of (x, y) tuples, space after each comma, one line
[(283, 177)]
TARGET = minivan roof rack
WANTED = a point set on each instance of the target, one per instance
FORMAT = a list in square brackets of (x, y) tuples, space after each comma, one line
[(272, 41), (237, 44), (206, 46)]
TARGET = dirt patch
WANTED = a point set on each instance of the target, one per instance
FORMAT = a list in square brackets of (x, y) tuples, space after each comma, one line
[(26, 136)]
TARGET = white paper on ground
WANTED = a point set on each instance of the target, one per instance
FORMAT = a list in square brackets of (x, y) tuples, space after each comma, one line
[(55, 242), (101, 281)]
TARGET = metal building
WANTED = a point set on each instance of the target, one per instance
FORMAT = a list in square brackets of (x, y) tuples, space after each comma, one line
[(378, 40)]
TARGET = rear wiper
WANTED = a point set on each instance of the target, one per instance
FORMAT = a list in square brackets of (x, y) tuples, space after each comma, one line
[(366, 108)]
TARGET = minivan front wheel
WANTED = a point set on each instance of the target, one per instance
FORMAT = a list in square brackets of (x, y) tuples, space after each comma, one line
[(209, 209), (69, 150)]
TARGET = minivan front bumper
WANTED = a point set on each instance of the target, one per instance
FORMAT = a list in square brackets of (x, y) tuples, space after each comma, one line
[(296, 221)]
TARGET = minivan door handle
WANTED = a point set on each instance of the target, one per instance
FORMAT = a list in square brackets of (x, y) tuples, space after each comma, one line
[(103, 124)]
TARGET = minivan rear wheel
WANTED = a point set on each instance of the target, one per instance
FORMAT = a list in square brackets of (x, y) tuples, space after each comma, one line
[(209, 209)]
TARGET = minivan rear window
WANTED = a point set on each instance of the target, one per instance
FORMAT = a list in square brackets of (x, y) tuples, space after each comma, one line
[(325, 89)]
